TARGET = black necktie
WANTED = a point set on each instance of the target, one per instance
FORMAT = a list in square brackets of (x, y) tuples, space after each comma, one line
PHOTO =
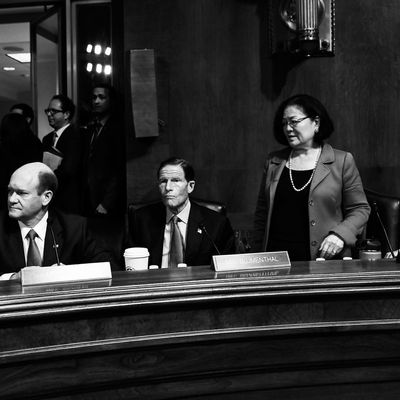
[(176, 247), (96, 131), (34, 258)]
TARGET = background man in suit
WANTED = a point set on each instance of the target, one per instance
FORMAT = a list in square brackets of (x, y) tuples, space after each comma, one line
[(66, 141), (31, 234), (104, 170), (104, 156), (176, 229)]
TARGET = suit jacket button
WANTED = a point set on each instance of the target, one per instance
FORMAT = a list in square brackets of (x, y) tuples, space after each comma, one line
[(314, 243), (313, 223)]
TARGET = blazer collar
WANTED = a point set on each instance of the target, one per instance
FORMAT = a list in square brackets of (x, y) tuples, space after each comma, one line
[(327, 155), (322, 170)]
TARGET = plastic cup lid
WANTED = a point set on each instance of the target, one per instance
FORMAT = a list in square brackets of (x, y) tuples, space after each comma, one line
[(136, 252)]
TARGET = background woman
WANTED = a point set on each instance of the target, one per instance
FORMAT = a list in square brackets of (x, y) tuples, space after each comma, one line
[(18, 146), (311, 201)]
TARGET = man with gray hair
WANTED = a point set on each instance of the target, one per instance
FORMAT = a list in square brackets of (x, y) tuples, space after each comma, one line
[(31, 234)]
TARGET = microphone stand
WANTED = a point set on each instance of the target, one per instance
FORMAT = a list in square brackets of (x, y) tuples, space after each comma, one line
[(375, 206), (55, 244), (203, 228)]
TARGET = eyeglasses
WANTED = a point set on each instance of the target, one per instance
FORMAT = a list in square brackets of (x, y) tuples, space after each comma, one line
[(52, 111), (292, 122)]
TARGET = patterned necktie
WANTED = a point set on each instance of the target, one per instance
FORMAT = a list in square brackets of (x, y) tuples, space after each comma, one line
[(176, 247), (54, 140), (34, 257)]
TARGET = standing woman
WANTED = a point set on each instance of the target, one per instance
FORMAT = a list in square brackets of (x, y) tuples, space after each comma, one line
[(311, 201)]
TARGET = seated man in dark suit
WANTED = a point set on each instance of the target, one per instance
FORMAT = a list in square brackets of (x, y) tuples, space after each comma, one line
[(177, 230), (33, 234)]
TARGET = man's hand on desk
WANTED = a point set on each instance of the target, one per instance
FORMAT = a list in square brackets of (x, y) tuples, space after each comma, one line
[(389, 254), (16, 276)]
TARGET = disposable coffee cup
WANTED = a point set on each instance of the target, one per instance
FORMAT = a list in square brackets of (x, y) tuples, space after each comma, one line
[(136, 258), (370, 255)]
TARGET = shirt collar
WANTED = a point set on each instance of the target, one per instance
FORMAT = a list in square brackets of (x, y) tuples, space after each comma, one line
[(40, 227), (101, 121), (62, 129), (183, 215)]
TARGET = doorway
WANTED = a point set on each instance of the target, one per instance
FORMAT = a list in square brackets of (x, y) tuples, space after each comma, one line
[(31, 32)]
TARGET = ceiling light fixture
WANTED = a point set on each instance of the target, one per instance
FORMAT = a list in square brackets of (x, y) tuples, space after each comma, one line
[(9, 68), (20, 57), (13, 49)]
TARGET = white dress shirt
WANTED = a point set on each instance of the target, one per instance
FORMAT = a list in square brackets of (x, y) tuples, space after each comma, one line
[(182, 223), (40, 229)]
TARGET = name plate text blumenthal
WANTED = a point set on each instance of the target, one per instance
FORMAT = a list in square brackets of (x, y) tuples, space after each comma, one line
[(251, 261)]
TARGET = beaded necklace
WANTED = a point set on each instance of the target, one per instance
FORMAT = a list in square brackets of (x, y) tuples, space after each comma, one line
[(312, 174)]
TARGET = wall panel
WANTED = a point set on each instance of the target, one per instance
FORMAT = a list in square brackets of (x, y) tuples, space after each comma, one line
[(218, 90)]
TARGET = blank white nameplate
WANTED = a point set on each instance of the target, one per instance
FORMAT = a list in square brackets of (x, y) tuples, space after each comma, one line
[(251, 261), (65, 273)]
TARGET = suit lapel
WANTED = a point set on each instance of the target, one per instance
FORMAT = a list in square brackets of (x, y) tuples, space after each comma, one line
[(193, 236), (49, 253), (277, 164), (61, 143), (14, 238)]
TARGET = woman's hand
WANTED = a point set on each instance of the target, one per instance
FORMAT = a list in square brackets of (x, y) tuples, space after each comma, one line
[(331, 246)]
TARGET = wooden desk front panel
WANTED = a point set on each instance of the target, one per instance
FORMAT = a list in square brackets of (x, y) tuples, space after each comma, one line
[(193, 335)]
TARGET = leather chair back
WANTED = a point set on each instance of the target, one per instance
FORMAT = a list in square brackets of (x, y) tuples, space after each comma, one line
[(388, 208), (212, 205)]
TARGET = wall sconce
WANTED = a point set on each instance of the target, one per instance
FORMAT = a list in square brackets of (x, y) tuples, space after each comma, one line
[(302, 27)]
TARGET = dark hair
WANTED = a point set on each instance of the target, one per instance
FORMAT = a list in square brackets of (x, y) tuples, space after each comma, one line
[(112, 94), (27, 111), (47, 181), (110, 89), (67, 105), (312, 108), (14, 129), (186, 166)]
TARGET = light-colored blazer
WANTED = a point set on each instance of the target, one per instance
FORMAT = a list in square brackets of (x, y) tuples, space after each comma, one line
[(336, 202)]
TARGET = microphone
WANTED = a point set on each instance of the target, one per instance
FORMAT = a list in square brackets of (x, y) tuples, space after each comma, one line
[(55, 244), (375, 208), (202, 228)]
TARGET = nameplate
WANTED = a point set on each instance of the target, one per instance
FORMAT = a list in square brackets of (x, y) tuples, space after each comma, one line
[(65, 274), (266, 272), (251, 261), (66, 286)]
